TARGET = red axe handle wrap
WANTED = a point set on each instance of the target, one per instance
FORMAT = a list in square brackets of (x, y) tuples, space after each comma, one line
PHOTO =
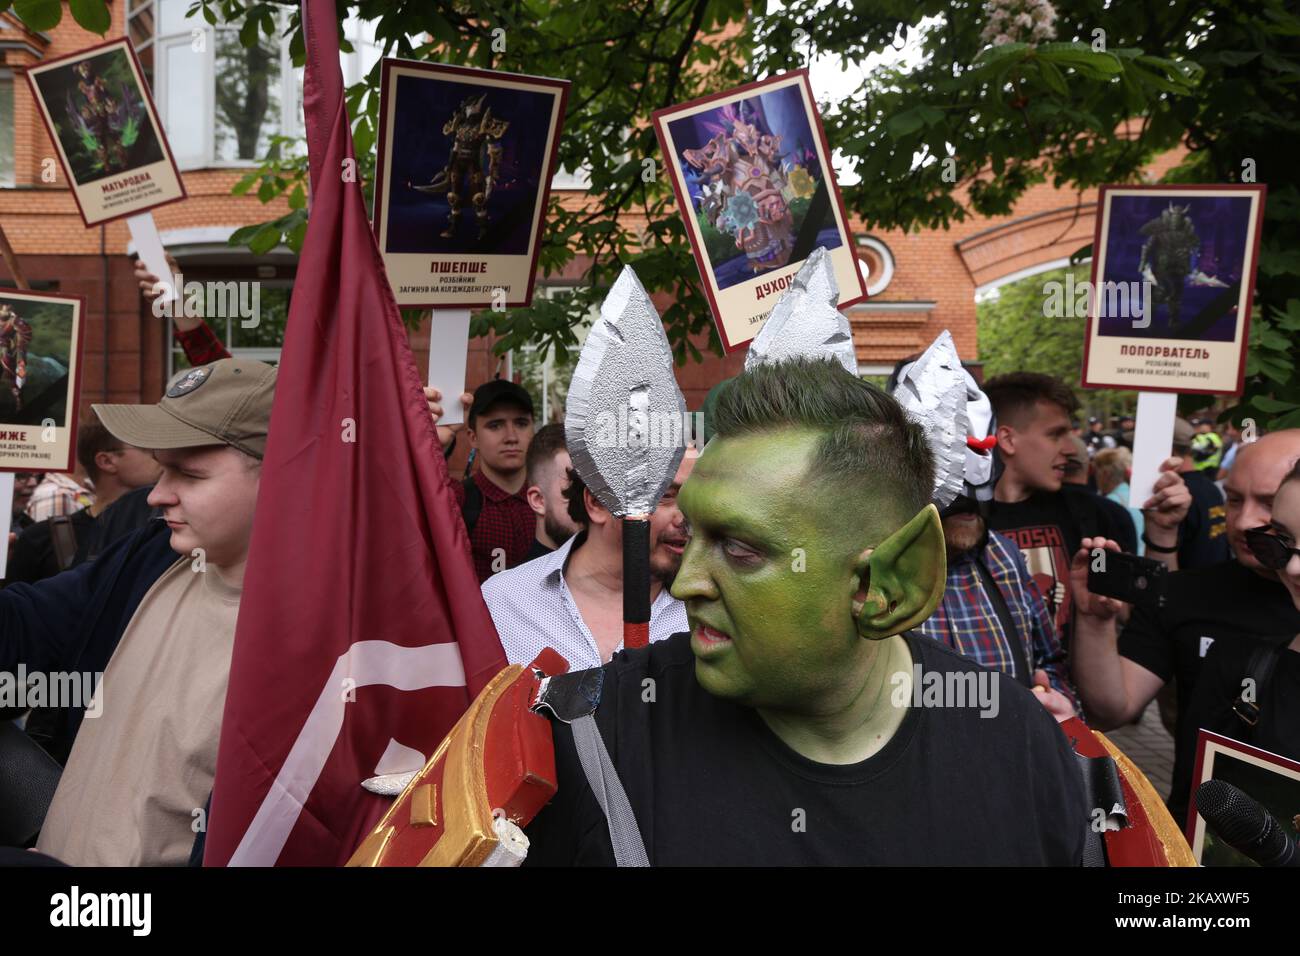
[(636, 581)]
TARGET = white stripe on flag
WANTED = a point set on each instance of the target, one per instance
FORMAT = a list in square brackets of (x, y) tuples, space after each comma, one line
[(366, 663)]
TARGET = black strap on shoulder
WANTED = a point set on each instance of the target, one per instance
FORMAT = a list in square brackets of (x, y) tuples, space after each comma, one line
[(1024, 673), (1259, 671), (473, 506), (63, 537)]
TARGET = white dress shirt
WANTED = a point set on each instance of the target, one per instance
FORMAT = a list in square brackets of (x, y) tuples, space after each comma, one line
[(532, 608)]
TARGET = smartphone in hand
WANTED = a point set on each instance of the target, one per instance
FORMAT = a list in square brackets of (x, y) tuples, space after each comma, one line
[(1129, 578)]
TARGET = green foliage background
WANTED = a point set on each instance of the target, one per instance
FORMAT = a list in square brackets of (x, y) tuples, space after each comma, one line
[(1122, 83)]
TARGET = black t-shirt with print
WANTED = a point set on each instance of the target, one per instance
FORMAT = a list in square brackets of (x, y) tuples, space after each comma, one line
[(711, 784), (1225, 603), (1226, 665), (1048, 527)]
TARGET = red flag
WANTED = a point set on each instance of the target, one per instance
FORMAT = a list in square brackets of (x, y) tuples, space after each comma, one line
[(362, 635)]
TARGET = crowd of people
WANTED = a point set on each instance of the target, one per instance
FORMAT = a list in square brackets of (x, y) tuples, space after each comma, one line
[(98, 581)]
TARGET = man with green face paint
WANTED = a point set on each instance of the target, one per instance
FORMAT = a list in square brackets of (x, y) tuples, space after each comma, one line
[(795, 723)]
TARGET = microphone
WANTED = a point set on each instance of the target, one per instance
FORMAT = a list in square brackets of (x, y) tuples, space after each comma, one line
[(1244, 825)]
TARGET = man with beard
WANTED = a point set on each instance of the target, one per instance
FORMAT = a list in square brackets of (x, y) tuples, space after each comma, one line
[(572, 599), (547, 467), (991, 611)]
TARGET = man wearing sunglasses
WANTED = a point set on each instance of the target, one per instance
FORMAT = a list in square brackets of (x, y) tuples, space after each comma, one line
[(1234, 602), (1250, 690)]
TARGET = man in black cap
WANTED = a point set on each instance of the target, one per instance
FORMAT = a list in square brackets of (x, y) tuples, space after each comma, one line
[(1095, 439), (500, 522)]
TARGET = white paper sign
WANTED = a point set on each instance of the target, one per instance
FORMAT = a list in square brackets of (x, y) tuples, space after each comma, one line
[(1153, 440), (448, 348), (6, 513), (149, 247)]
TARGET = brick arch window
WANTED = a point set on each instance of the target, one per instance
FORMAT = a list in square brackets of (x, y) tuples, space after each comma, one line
[(876, 262)]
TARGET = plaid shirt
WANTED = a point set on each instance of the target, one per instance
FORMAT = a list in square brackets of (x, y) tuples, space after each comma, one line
[(201, 345), (506, 523), (967, 621), (57, 495)]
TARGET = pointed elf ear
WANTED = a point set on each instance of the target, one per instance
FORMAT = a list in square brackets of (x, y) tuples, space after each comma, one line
[(902, 580)]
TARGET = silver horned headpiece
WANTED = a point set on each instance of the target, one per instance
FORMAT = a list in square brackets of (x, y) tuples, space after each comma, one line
[(806, 320), (942, 398)]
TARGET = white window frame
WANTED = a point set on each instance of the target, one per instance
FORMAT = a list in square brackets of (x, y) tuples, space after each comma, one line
[(205, 156), (8, 182)]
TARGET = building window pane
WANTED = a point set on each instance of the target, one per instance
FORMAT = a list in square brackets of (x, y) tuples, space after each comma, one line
[(145, 54), (173, 19), (247, 96), (271, 315), (6, 130), (142, 26), (184, 121)]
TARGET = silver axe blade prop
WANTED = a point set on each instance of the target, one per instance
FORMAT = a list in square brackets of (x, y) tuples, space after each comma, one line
[(624, 422)]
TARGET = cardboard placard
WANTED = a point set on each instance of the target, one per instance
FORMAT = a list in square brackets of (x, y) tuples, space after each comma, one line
[(1153, 441), (448, 348), (1173, 273), (1271, 780), (6, 518), (149, 247), (96, 106), (40, 379), (752, 172), (463, 177)]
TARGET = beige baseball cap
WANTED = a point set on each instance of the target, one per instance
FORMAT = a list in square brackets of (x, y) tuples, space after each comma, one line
[(225, 403)]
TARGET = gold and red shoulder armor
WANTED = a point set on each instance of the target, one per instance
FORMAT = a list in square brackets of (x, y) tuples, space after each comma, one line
[(486, 781), (1149, 837)]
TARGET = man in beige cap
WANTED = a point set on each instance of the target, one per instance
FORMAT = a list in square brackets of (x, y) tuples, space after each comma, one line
[(155, 613)]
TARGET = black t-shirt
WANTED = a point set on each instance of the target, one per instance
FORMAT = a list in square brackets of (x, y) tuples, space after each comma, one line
[(1278, 730), (710, 784), (1203, 535), (1048, 527), (1225, 603)]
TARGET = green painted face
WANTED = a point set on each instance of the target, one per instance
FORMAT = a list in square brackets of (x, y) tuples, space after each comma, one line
[(769, 575)]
